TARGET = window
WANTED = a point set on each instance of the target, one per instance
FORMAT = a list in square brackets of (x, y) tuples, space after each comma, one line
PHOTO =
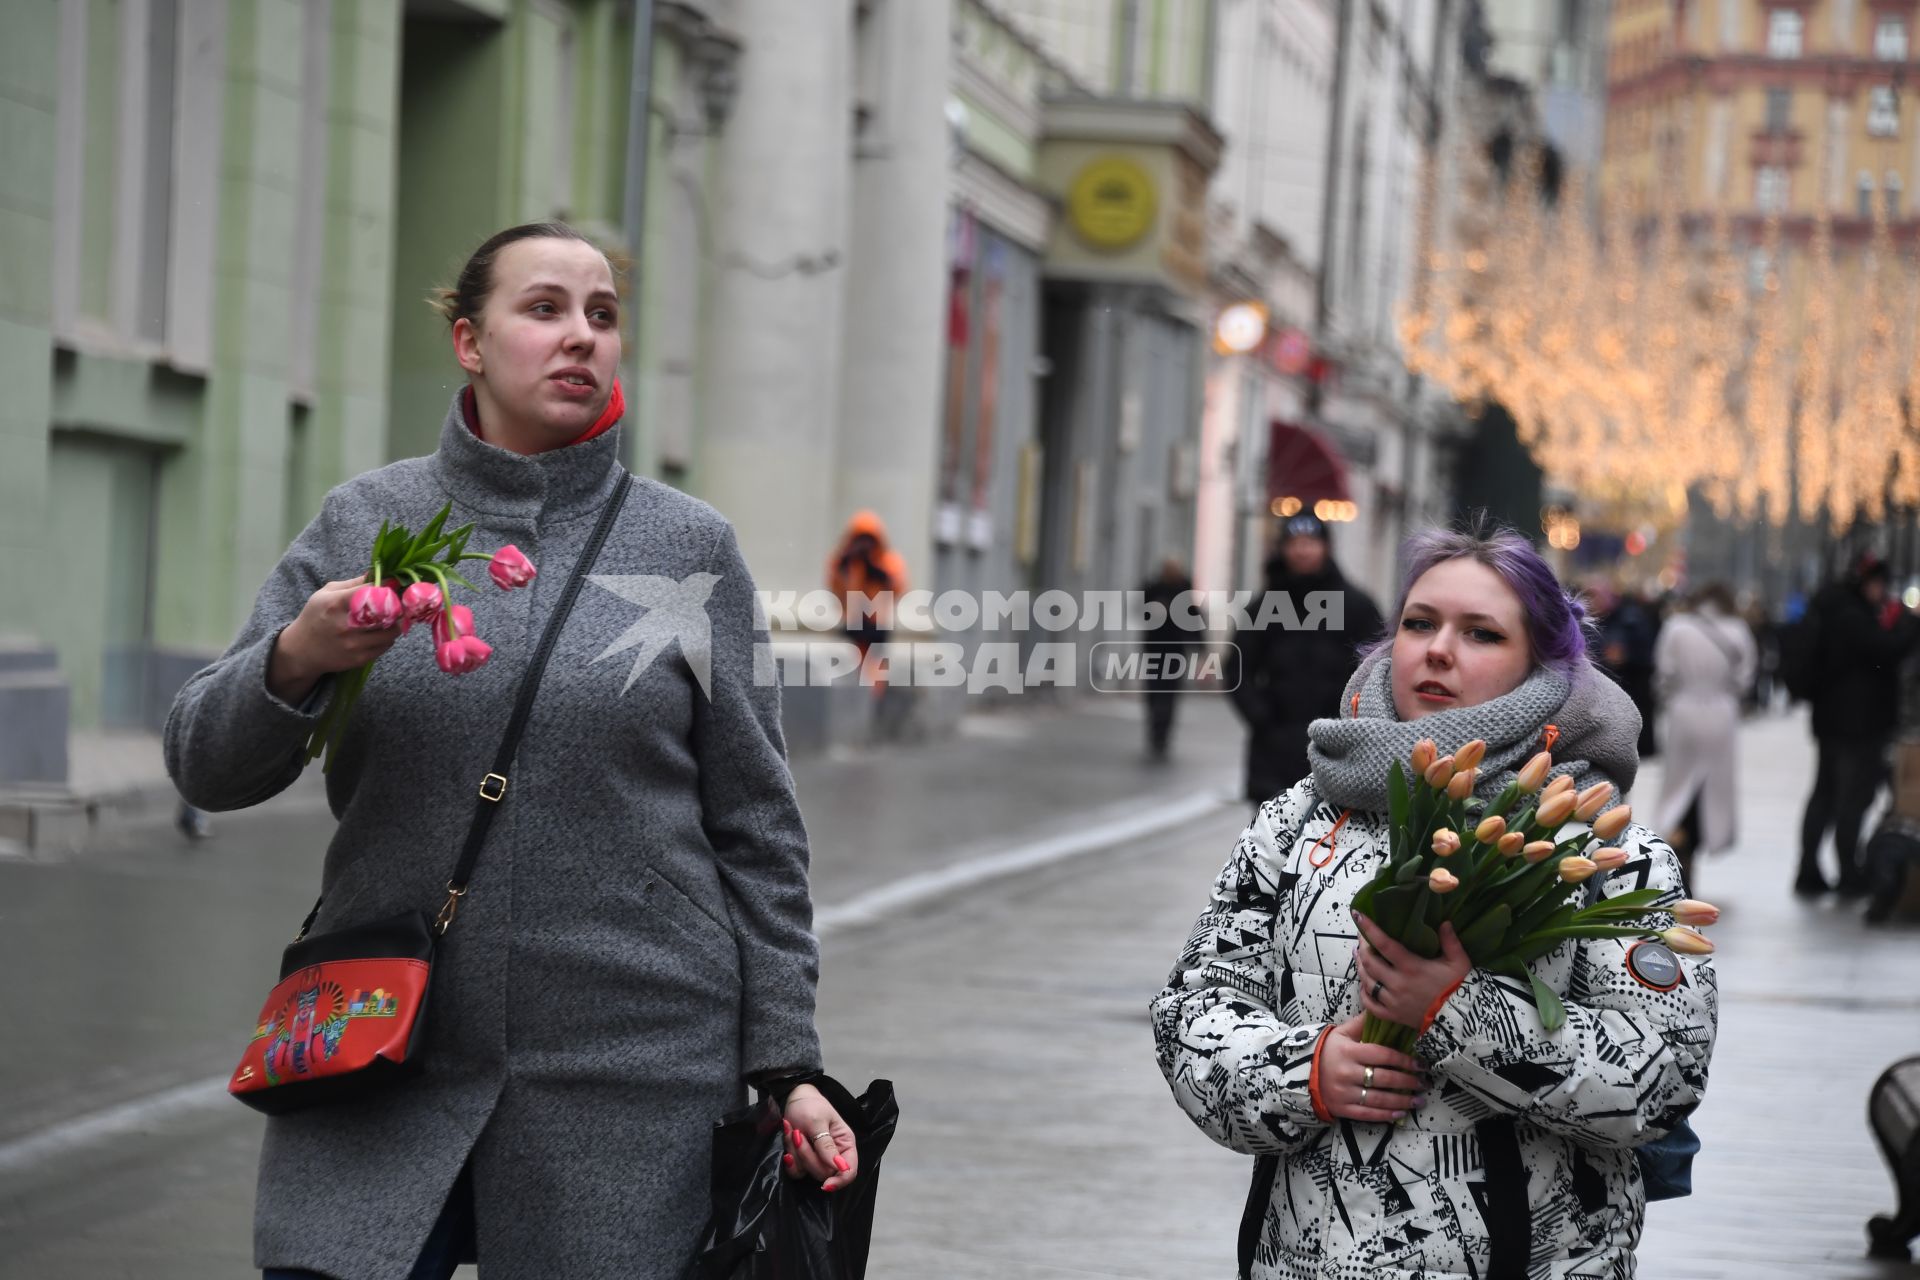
[(1785, 30), (1892, 186), (1883, 112), (129, 133), (1890, 39), (1865, 206), (1779, 110), (1770, 188)]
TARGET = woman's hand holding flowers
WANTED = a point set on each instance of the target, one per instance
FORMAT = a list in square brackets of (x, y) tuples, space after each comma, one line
[(1397, 985), (1369, 1083), (323, 641)]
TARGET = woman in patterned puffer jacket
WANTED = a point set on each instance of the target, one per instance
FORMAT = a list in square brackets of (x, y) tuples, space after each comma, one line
[(1500, 1150)]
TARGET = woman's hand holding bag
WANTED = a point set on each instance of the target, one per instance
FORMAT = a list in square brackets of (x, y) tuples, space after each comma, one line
[(819, 1144)]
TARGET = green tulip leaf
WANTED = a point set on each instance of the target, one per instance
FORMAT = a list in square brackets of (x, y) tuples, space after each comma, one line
[(1396, 803), (1394, 906), (431, 534), (1637, 900), (1553, 1014), (1420, 937), (1485, 934)]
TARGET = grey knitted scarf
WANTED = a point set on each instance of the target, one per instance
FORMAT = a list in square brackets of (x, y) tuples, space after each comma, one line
[(1599, 729)]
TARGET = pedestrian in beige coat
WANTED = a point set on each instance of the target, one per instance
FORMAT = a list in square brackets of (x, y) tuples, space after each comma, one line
[(1702, 662)]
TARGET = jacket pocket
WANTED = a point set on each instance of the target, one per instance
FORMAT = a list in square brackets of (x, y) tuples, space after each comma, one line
[(702, 935)]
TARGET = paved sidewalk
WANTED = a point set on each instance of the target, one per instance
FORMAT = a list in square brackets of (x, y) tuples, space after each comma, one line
[(1814, 1005)]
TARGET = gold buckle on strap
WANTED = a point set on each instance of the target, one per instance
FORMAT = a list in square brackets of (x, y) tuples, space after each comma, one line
[(493, 786)]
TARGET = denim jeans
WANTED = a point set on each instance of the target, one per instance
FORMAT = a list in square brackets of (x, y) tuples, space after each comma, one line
[(450, 1243)]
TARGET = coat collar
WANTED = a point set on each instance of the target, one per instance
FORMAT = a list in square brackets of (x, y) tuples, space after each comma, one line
[(570, 480)]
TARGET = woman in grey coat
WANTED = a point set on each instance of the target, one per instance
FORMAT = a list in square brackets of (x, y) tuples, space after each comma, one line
[(636, 944)]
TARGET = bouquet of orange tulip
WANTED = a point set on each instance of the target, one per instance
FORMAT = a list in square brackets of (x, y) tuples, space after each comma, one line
[(1509, 884)]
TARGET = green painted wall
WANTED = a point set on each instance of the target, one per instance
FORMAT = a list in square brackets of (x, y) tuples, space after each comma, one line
[(452, 194), (29, 62), (102, 492), (437, 134), (221, 499), (126, 397), (102, 157), (647, 299), (347, 429)]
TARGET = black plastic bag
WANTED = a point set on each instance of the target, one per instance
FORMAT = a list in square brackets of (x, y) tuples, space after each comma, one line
[(766, 1226)]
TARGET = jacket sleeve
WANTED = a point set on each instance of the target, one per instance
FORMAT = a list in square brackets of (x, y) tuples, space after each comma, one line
[(1629, 1063), (752, 819), (229, 742), (1236, 1066)]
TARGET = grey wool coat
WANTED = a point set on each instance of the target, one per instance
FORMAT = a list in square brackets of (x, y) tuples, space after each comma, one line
[(637, 939)]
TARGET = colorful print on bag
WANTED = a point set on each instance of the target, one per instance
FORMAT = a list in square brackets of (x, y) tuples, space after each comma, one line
[(333, 1018)]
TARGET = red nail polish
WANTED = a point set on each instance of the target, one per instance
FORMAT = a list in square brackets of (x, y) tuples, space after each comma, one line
[(840, 1163), (827, 1186), (787, 1160)]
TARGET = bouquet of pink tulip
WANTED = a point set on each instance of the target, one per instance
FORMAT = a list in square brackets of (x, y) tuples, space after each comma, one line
[(409, 582), (1506, 884)]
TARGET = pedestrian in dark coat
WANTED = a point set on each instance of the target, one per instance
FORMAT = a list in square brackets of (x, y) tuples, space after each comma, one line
[(635, 946), (1170, 640), (1287, 679), (1863, 636), (1629, 637)]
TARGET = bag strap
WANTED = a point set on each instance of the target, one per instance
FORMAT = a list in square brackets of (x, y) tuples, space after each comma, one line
[(1508, 1216), (1253, 1218), (1712, 633), (493, 787)]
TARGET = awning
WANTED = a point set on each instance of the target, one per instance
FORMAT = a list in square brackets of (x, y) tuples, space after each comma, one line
[(1302, 464)]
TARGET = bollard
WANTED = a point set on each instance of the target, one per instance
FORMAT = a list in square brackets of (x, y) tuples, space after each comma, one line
[(1893, 1113)]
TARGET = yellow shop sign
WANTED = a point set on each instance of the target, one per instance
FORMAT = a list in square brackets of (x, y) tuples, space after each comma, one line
[(1112, 203)]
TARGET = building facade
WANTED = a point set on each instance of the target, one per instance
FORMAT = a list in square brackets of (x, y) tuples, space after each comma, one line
[(1128, 151), (1275, 65), (1394, 72), (218, 256), (1559, 52), (197, 261), (1772, 118), (1762, 108)]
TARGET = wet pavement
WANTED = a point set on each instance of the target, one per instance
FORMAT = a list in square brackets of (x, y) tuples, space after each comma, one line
[(1038, 1139)]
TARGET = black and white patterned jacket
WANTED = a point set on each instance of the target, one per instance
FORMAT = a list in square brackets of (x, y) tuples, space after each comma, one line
[(1271, 964)]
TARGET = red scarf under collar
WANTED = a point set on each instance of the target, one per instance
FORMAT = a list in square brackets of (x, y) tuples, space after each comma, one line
[(616, 409)]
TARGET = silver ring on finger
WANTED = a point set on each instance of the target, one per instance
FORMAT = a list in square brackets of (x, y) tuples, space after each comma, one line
[(1377, 986), (824, 1133), (1366, 1081), (1363, 1095)]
